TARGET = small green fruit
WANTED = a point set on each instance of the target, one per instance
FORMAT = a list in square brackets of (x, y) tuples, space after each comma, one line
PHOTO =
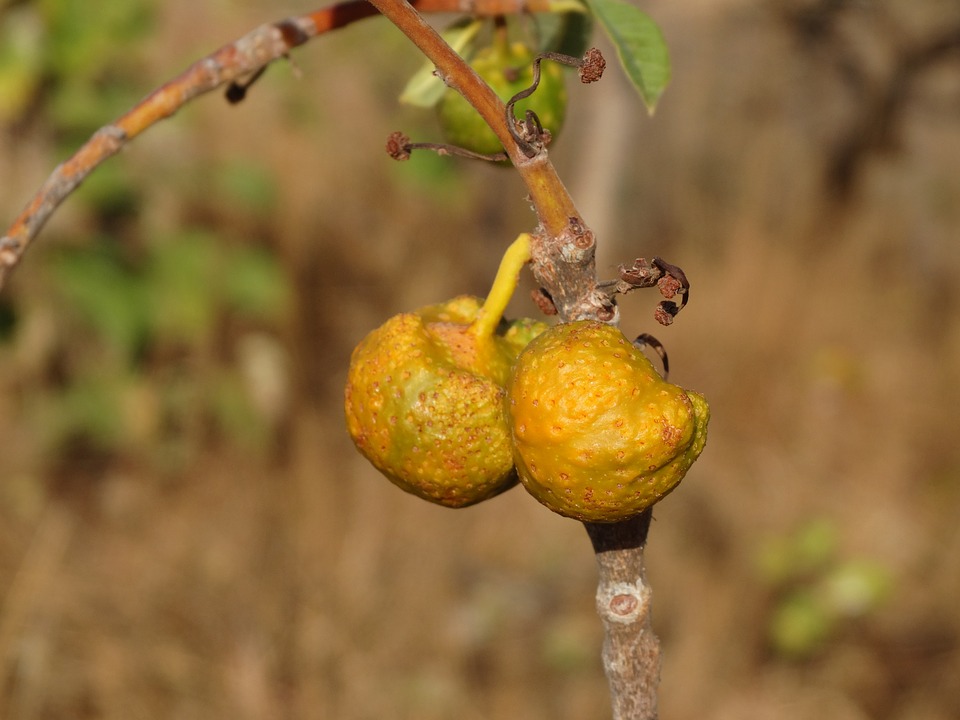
[(425, 402), (507, 68), (598, 434)]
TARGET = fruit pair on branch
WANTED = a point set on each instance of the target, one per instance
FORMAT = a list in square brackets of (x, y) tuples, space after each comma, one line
[(452, 403)]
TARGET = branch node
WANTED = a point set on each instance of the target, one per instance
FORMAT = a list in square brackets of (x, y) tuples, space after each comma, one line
[(529, 133), (236, 91), (541, 298), (10, 249), (623, 602), (624, 605), (291, 32)]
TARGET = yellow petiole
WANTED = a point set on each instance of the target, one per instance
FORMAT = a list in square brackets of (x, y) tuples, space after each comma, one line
[(504, 285)]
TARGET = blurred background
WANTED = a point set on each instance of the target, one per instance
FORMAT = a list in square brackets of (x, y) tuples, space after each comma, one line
[(185, 528)]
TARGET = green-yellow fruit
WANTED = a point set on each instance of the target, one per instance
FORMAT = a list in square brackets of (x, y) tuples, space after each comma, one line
[(598, 434), (425, 402), (507, 69)]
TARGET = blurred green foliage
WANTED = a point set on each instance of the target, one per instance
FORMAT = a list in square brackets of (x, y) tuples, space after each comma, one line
[(21, 61), (147, 322), (127, 319), (61, 48), (816, 590)]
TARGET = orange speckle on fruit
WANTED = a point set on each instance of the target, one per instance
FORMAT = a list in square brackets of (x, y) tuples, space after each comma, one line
[(438, 412), (605, 410)]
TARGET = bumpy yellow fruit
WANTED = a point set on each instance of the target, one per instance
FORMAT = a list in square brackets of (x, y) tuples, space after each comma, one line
[(598, 434), (425, 396), (425, 402)]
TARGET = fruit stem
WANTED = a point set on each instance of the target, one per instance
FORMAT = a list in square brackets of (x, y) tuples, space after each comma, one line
[(504, 284)]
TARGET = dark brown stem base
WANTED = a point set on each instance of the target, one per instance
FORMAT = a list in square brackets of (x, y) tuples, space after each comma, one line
[(631, 650)]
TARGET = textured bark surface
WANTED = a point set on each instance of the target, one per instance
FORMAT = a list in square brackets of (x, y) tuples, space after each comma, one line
[(631, 650)]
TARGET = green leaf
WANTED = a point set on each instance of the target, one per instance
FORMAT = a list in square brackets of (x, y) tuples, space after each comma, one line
[(640, 47), (425, 89)]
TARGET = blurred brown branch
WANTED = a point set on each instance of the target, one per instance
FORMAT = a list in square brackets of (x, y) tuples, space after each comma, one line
[(874, 128), (880, 100)]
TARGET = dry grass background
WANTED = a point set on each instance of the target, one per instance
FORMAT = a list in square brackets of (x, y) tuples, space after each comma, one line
[(290, 580)]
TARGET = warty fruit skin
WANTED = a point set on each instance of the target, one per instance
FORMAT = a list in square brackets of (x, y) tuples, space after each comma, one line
[(425, 403), (598, 435)]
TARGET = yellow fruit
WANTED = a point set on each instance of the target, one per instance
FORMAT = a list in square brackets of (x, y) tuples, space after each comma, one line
[(425, 402), (598, 435), (507, 68)]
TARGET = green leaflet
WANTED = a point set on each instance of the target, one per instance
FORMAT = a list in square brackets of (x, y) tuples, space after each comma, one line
[(425, 89), (639, 44)]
